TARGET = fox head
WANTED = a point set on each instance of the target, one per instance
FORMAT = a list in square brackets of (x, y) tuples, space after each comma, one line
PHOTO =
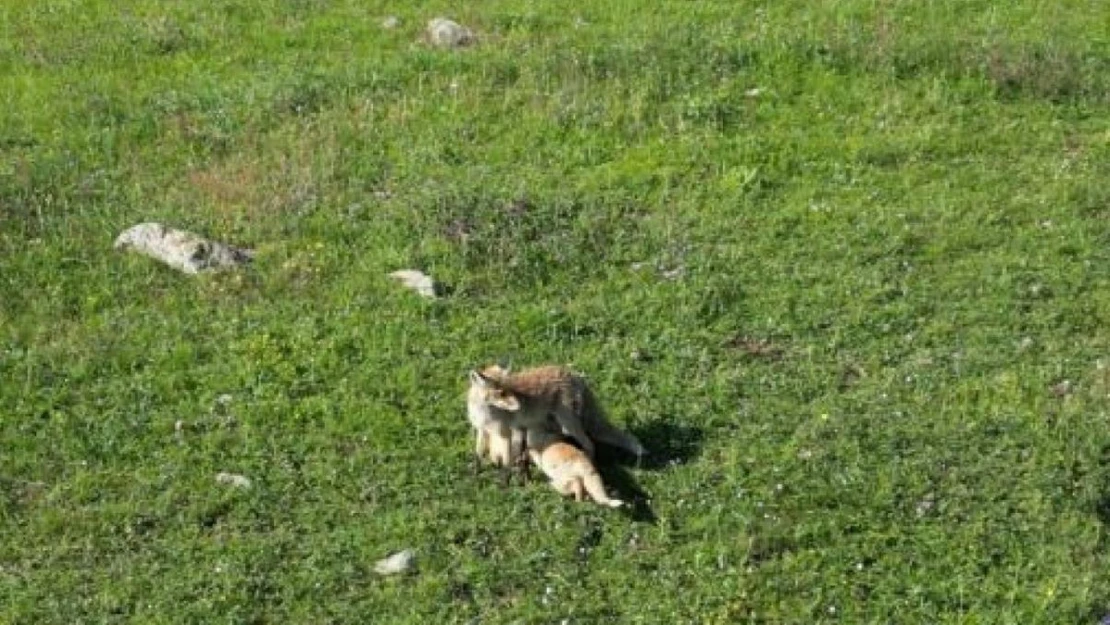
[(491, 391)]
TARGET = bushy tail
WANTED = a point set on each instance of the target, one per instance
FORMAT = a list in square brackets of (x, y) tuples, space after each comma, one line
[(599, 428), (592, 482)]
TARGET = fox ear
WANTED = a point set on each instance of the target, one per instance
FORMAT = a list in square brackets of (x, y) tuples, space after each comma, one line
[(505, 401)]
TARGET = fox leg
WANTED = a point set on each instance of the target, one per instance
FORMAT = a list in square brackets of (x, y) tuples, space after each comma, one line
[(592, 483), (506, 459), (499, 449), (481, 448), (571, 487), (518, 453), (503, 454), (578, 490), (523, 461), (517, 444), (523, 466)]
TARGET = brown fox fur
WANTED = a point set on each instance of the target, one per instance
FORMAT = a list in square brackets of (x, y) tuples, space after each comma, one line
[(524, 400)]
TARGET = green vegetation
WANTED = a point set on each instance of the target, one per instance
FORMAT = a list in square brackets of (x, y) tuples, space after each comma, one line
[(844, 266)]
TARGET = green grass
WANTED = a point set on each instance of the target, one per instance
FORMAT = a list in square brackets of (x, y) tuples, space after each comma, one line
[(838, 311)]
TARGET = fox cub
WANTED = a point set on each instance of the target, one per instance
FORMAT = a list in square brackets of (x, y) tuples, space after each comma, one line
[(570, 471), (523, 401)]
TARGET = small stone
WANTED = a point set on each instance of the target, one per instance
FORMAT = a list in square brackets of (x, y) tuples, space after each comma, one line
[(400, 562), (754, 92), (233, 479), (926, 504), (417, 281), (673, 274), (1062, 388), (390, 22), (445, 33)]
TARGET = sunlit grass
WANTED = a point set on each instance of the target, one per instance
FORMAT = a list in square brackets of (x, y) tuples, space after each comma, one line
[(843, 268)]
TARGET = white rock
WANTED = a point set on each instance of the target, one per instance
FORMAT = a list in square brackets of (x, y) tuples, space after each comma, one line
[(233, 479), (179, 249), (400, 562), (674, 273), (417, 281), (448, 34), (391, 22)]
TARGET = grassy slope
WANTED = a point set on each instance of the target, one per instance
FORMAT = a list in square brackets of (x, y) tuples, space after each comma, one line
[(912, 212)]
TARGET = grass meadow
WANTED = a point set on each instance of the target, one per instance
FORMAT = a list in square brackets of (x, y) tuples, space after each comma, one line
[(844, 267)]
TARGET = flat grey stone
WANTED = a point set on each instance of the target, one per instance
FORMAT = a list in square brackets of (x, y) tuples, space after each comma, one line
[(400, 562), (233, 479), (184, 251), (446, 33), (417, 281)]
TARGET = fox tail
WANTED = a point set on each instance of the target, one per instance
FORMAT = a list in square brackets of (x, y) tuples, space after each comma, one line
[(600, 429)]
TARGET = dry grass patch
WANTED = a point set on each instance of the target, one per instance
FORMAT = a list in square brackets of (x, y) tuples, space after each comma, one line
[(290, 177)]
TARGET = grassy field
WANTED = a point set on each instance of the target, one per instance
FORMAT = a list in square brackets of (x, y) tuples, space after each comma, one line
[(844, 267)]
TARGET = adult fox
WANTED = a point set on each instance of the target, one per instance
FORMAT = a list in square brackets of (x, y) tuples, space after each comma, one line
[(524, 401)]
